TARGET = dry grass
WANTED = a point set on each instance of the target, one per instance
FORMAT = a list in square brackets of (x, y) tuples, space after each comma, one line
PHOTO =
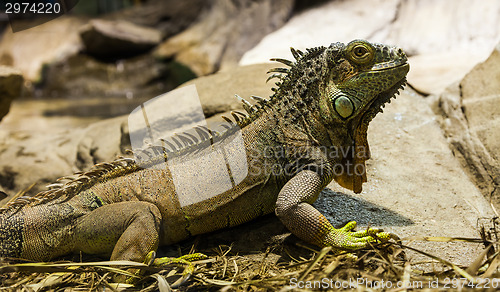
[(281, 267)]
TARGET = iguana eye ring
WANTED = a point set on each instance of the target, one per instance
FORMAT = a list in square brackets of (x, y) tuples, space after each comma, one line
[(360, 52), (343, 106)]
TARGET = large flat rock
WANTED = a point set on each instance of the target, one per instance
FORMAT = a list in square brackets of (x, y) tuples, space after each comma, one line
[(116, 39), (216, 92), (469, 112), (224, 33), (29, 50)]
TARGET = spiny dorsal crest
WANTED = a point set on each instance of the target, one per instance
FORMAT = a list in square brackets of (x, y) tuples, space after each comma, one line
[(68, 186), (176, 145), (291, 87), (295, 83), (180, 144)]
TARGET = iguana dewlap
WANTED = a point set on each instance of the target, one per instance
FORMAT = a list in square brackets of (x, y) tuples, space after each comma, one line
[(314, 125)]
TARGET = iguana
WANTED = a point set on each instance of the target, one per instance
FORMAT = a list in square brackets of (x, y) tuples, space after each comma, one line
[(321, 107)]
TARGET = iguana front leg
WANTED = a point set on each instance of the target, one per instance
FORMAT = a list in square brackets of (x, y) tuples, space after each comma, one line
[(294, 209)]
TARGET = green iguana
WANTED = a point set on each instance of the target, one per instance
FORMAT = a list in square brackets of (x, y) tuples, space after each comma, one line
[(125, 209)]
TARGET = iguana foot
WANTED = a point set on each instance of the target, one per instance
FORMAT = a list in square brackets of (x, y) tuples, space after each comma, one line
[(150, 257), (185, 261), (345, 238)]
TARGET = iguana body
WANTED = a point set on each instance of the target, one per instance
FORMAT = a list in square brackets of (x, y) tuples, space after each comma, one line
[(311, 131)]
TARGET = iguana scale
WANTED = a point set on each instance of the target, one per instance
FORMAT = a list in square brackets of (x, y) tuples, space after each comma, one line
[(125, 209)]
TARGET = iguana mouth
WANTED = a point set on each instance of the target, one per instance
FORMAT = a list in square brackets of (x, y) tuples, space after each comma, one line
[(377, 105), (389, 65)]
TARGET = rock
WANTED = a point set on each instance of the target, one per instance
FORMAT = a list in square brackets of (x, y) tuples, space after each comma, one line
[(217, 91), (41, 157), (225, 33), (102, 141), (470, 113), (449, 42), (118, 39), (11, 84), (143, 76), (168, 16), (334, 21), (31, 49)]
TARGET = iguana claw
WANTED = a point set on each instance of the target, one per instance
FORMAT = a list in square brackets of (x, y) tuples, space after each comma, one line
[(345, 238), (148, 260)]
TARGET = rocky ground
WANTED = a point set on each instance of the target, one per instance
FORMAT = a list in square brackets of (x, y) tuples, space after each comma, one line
[(435, 149)]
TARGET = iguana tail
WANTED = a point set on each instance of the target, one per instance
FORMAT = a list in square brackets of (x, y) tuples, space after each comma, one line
[(11, 228), (11, 235)]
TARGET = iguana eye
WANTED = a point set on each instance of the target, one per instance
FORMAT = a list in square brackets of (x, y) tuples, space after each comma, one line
[(360, 52), (344, 106)]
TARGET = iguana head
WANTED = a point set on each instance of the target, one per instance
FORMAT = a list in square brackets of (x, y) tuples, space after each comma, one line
[(360, 78)]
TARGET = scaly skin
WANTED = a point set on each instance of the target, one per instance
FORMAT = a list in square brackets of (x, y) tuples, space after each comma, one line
[(310, 132)]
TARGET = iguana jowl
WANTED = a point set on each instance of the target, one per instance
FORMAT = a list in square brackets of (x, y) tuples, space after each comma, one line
[(320, 108)]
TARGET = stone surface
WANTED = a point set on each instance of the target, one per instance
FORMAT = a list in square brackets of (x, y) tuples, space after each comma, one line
[(11, 85), (470, 112), (168, 16), (118, 39), (39, 155), (217, 91), (143, 76), (447, 37), (224, 33), (31, 49)]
